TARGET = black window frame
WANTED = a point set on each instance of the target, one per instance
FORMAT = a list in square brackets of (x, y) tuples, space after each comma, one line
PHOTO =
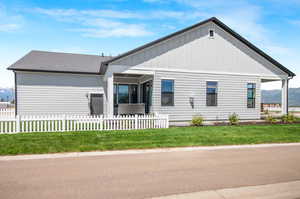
[(208, 93), (251, 100), (172, 93), (211, 33), (132, 94)]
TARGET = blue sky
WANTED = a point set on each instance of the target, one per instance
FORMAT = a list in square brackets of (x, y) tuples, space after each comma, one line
[(115, 26)]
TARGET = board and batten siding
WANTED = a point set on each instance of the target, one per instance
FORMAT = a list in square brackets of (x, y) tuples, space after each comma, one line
[(196, 51), (56, 93), (232, 96)]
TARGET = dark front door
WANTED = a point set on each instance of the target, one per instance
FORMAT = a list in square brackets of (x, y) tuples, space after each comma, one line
[(147, 95), (96, 104)]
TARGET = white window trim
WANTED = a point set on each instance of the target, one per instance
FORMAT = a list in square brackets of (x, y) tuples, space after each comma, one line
[(167, 78), (255, 95), (217, 92), (212, 81), (173, 91)]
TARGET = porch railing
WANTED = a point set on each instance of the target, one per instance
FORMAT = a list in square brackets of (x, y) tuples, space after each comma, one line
[(63, 123), (7, 112)]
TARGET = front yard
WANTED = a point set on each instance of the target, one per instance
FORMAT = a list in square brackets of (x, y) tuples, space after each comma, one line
[(37, 143)]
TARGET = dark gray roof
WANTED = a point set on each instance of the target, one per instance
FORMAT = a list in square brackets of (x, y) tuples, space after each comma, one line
[(59, 62), (216, 21)]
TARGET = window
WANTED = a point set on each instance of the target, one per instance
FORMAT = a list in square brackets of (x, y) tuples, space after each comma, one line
[(115, 94), (123, 94), (211, 33), (251, 90), (167, 92), (211, 93), (133, 90)]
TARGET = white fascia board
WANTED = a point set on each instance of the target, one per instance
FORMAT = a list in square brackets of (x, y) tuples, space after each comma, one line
[(262, 76)]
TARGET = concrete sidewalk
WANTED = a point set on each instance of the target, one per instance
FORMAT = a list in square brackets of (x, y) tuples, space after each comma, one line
[(287, 190)]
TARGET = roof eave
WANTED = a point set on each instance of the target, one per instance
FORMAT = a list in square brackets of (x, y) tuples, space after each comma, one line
[(53, 71)]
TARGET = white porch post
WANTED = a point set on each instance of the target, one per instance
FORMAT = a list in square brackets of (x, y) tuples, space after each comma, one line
[(284, 96), (110, 95)]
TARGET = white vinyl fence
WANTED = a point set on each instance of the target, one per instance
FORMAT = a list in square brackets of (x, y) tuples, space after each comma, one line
[(62, 123), (7, 112)]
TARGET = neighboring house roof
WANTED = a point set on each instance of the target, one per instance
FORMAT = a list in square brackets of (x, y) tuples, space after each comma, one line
[(59, 62), (216, 21)]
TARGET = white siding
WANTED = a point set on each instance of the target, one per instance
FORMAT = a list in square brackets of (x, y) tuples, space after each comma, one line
[(232, 96), (195, 51), (56, 93)]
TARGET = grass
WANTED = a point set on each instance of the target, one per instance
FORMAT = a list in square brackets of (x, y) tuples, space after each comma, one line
[(38, 143)]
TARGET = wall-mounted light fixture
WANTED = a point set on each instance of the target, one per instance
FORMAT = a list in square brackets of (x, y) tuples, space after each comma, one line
[(191, 99)]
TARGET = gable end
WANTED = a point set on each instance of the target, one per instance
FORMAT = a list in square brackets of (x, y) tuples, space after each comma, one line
[(104, 65)]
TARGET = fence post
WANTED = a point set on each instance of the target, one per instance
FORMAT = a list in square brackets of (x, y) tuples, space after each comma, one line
[(101, 122), (64, 123), (18, 121), (136, 121), (167, 126)]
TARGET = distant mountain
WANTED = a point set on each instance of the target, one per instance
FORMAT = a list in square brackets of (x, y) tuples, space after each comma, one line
[(7, 94), (274, 96)]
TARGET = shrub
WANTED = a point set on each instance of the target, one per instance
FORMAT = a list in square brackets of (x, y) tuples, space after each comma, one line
[(197, 120), (270, 119), (233, 119), (288, 118)]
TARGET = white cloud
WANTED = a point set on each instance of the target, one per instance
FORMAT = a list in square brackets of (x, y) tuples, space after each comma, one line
[(100, 23), (72, 49), (64, 14), (9, 27), (295, 22), (92, 13), (9, 22), (156, 1), (165, 14), (123, 30)]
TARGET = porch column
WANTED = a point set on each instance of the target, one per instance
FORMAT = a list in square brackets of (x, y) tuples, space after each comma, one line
[(284, 96), (110, 95)]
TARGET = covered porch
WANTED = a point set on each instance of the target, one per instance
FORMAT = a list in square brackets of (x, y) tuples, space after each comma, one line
[(132, 93), (284, 82)]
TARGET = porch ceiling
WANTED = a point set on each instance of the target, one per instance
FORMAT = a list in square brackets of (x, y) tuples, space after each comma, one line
[(128, 75)]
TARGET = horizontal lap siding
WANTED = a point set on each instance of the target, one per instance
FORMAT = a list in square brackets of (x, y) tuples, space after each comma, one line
[(50, 93), (232, 96)]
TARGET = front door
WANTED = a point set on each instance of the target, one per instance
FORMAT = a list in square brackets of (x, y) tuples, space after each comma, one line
[(146, 91), (96, 104)]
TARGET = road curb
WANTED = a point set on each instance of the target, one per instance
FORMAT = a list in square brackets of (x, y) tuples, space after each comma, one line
[(139, 151)]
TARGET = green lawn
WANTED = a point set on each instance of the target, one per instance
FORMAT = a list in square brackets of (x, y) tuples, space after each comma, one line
[(33, 143)]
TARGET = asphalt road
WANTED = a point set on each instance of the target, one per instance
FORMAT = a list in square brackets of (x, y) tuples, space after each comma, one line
[(147, 175)]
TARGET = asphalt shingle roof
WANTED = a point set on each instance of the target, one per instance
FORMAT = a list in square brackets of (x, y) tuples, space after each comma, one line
[(59, 62)]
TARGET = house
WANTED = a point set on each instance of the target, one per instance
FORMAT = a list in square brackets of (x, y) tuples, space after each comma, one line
[(206, 69)]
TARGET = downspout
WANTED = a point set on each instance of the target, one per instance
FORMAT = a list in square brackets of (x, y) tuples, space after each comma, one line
[(16, 96)]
